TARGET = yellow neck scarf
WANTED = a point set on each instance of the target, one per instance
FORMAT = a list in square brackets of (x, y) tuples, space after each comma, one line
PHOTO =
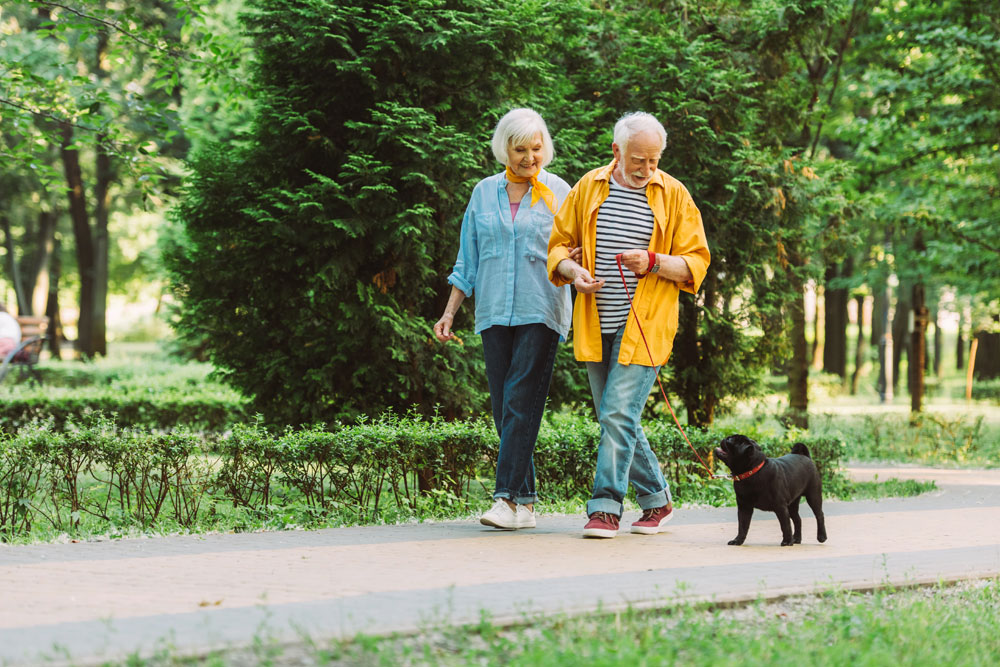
[(538, 189)]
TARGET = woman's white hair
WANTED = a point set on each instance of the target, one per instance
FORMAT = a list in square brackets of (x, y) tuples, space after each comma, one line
[(635, 123), (520, 126)]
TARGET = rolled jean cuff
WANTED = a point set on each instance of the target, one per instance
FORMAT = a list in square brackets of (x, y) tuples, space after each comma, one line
[(519, 500), (605, 505), (654, 500)]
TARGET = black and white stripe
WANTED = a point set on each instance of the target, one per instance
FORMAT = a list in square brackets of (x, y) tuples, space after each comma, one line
[(624, 222)]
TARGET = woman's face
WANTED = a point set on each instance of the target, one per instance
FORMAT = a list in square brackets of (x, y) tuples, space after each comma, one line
[(525, 158)]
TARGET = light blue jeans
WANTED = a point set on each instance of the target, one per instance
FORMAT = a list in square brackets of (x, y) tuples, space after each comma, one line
[(624, 454)]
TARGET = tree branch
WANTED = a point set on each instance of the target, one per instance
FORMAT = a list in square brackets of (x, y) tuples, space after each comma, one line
[(916, 157), (110, 146), (45, 114), (844, 43), (114, 25), (949, 229)]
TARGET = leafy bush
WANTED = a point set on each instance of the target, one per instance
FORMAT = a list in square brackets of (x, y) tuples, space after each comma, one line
[(931, 438), (140, 387), (312, 261), (207, 410), (94, 474), (986, 390)]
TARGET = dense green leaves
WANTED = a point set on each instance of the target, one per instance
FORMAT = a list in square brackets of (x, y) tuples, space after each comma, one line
[(311, 254), (313, 258)]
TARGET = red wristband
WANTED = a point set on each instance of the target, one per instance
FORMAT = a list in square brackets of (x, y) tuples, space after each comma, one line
[(652, 261)]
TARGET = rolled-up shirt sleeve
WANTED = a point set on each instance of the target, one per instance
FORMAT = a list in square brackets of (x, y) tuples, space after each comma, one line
[(562, 238), (463, 275), (691, 244)]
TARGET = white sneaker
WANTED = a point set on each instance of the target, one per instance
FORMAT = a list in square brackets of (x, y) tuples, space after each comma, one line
[(525, 517), (501, 516)]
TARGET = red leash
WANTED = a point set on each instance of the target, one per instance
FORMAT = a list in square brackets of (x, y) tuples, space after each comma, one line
[(631, 306)]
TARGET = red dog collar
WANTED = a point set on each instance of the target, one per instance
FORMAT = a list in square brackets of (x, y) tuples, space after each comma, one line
[(744, 475)]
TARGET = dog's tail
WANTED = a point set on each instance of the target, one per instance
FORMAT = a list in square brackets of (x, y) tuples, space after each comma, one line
[(799, 448)]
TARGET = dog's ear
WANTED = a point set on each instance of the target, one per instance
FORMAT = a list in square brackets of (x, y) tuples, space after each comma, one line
[(740, 443)]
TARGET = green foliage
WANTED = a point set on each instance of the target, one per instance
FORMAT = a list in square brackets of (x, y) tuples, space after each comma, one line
[(986, 390), (918, 123), (926, 438), (210, 409), (345, 203)]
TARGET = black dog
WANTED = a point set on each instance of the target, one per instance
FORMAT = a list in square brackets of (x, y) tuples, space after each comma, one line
[(774, 485)]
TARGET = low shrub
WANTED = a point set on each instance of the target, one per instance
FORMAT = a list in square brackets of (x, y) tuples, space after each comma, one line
[(93, 472), (210, 410), (986, 390), (930, 438)]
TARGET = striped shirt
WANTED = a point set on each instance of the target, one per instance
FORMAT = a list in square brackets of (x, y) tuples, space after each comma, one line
[(624, 222)]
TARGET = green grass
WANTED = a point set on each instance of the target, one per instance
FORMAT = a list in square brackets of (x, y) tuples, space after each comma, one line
[(940, 625), (890, 488)]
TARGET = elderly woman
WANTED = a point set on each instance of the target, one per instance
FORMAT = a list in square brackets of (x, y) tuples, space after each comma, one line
[(520, 315)]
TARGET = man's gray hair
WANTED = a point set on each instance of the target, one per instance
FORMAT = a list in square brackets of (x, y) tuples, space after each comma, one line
[(635, 123), (520, 126)]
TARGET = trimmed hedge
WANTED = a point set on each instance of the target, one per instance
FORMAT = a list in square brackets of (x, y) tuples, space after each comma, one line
[(361, 473), (155, 409)]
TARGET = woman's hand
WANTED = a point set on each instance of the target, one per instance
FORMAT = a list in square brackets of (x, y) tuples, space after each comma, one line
[(442, 330)]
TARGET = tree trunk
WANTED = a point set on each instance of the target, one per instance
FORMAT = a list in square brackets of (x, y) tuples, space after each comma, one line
[(900, 331), (881, 317), (798, 372), (880, 308), (101, 191), (52, 304), (83, 241), (859, 347), (918, 348), (835, 322), (988, 354), (104, 174), (37, 278), (938, 340), (818, 324), (960, 340), (23, 306)]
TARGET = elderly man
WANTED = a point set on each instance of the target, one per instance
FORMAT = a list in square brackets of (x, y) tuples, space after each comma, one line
[(628, 207)]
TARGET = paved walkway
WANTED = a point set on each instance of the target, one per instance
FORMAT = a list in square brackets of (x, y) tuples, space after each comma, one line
[(92, 601)]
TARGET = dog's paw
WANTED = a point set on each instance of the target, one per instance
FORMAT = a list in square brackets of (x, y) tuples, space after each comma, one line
[(797, 539), (821, 538), (787, 543), (736, 542)]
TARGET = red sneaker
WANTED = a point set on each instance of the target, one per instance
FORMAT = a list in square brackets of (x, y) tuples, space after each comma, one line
[(601, 524), (653, 520)]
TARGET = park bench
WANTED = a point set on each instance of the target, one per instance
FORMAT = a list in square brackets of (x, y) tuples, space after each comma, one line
[(34, 331)]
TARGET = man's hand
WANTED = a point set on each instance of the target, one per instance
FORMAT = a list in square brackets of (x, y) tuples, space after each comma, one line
[(636, 261), (582, 280), (586, 283)]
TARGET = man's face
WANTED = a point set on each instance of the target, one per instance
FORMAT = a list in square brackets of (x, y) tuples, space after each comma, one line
[(637, 163), (525, 158)]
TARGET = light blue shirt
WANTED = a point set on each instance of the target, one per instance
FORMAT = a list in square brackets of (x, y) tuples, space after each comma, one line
[(503, 260)]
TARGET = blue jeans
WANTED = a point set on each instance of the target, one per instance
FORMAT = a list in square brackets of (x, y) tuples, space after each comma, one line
[(624, 454), (519, 364)]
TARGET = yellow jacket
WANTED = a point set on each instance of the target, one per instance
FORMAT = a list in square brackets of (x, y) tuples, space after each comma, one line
[(677, 230)]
